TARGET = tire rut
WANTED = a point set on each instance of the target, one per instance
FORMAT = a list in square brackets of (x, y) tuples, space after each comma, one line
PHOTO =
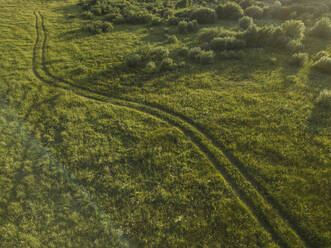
[(213, 150)]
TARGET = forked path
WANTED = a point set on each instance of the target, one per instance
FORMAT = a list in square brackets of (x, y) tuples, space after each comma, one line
[(258, 202)]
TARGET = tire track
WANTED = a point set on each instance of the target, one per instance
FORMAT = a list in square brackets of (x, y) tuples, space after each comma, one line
[(261, 205)]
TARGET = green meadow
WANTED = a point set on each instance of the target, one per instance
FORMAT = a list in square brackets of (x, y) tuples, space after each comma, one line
[(165, 123)]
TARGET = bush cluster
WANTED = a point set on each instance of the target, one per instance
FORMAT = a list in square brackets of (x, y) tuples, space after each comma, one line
[(246, 22), (229, 11), (98, 27), (151, 59), (227, 43), (254, 12), (322, 28), (324, 99), (201, 56), (188, 27), (299, 59), (204, 15), (323, 64)]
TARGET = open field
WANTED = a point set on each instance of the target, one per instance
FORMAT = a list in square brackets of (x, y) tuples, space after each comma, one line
[(234, 153)]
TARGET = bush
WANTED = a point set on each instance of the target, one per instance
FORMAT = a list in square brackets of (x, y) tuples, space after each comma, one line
[(229, 11), (299, 59), (291, 80), (323, 64), (150, 67), (324, 99), (230, 54), (204, 15), (188, 27), (320, 54), (167, 64), (87, 15), (158, 53), (192, 26), (208, 34), (294, 46), (254, 11), (227, 43), (98, 27), (184, 14), (201, 56), (133, 60), (245, 22), (294, 29), (172, 39), (322, 28), (183, 51), (182, 26)]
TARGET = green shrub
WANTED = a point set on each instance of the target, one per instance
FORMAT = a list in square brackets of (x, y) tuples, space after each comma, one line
[(322, 28), (188, 27), (183, 51), (291, 80), (299, 59), (208, 34), (133, 60), (150, 67), (294, 46), (294, 29), (320, 54), (245, 22), (324, 99), (192, 26), (323, 64), (229, 11), (158, 53), (231, 54), (204, 15), (98, 27), (246, 3), (167, 64), (201, 56), (184, 14), (87, 15), (254, 12), (172, 39), (138, 17), (184, 4), (227, 43), (182, 27)]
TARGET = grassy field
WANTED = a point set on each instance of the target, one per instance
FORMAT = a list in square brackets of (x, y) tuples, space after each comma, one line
[(236, 153)]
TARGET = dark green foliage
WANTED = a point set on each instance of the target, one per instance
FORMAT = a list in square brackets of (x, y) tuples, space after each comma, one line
[(133, 60), (200, 56), (184, 14), (323, 64), (167, 64), (184, 4), (324, 99), (204, 15), (254, 12), (320, 54), (294, 29), (172, 39), (246, 3), (188, 27), (158, 53), (227, 43), (245, 22), (229, 11), (98, 27), (150, 67), (299, 59), (322, 28), (88, 15)]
